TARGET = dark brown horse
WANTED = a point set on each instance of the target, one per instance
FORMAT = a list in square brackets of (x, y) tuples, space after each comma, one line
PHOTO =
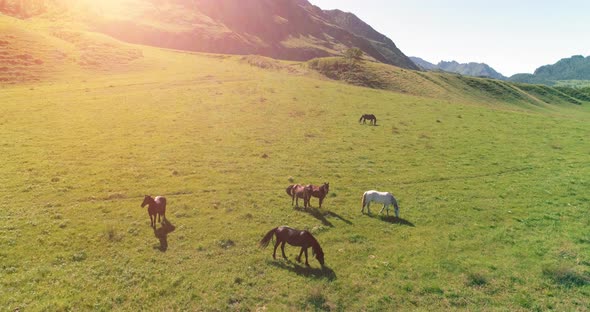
[(370, 117), (297, 191), (319, 191), (294, 237), (156, 207)]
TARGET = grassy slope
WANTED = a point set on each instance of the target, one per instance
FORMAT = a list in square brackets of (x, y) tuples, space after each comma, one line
[(493, 195), (44, 51), (449, 86)]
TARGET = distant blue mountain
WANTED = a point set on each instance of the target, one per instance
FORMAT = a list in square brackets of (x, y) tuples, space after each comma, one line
[(469, 69), (576, 67)]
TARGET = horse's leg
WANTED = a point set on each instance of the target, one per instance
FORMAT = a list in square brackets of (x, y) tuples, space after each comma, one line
[(283, 249), (300, 253), (321, 200), (369, 207), (387, 209), (274, 253), (306, 263)]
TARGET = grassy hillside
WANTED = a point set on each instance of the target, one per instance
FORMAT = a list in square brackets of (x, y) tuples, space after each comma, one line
[(44, 51), (492, 190), (448, 86)]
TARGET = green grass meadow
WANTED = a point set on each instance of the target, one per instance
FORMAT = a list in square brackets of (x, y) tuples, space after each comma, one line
[(493, 198)]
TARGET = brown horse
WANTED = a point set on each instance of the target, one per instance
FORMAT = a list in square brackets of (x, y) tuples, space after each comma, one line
[(156, 207), (370, 117), (319, 191), (297, 191), (294, 237)]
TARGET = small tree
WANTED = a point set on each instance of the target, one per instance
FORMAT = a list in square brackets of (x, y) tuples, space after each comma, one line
[(353, 54)]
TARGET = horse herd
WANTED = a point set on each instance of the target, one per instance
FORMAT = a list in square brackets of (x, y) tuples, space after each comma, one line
[(285, 234)]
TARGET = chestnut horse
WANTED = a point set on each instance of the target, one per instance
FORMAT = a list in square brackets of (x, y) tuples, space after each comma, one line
[(297, 191), (320, 191), (370, 117), (294, 237), (156, 207)]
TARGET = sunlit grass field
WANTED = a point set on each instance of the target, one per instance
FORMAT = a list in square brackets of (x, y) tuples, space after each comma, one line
[(494, 198)]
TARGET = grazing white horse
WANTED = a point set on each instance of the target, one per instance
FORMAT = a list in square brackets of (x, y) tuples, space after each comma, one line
[(384, 198)]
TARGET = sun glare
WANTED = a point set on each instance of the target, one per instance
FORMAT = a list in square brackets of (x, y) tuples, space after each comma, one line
[(110, 7)]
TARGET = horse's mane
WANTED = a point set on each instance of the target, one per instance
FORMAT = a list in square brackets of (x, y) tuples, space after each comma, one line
[(315, 246)]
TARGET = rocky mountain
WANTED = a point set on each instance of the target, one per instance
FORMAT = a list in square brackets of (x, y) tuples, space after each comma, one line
[(380, 42), (423, 64), (467, 69), (576, 67), (282, 29)]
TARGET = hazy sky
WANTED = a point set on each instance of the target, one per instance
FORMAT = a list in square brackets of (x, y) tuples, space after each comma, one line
[(512, 36)]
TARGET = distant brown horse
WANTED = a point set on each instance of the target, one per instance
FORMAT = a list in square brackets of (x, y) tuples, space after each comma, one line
[(319, 191), (297, 191), (156, 207), (294, 237), (370, 117)]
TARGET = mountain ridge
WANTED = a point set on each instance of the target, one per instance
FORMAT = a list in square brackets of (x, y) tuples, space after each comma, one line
[(576, 67), (469, 69), (282, 29), (382, 43)]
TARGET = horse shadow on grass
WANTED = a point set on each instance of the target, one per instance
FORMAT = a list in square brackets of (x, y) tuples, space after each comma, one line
[(321, 215), (162, 234), (317, 273), (393, 220)]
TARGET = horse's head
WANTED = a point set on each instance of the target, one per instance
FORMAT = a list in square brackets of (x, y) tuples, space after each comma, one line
[(146, 200), (319, 254), (326, 187)]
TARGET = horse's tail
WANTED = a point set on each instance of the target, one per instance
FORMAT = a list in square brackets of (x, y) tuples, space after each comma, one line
[(361, 118), (364, 201), (266, 239), (289, 188)]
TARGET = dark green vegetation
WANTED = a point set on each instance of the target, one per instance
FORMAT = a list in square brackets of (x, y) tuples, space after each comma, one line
[(573, 71), (492, 182), (468, 69)]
